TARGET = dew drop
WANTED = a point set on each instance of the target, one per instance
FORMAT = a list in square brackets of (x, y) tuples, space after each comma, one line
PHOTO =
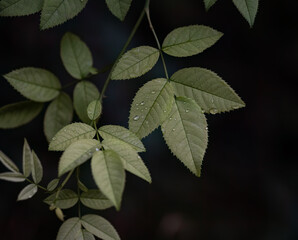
[(136, 118), (213, 111), (173, 129), (96, 149), (170, 118), (162, 129), (147, 122), (142, 103), (53, 138), (186, 110), (235, 107), (175, 119), (164, 111), (206, 128), (139, 157), (146, 108), (153, 92)]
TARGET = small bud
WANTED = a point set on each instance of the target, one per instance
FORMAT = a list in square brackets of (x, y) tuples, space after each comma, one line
[(59, 214)]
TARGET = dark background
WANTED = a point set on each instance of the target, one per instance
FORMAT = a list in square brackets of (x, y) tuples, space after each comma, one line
[(248, 188)]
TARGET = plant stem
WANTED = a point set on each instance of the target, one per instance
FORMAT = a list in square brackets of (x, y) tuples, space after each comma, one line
[(156, 38), (79, 191), (41, 187), (95, 126), (64, 182)]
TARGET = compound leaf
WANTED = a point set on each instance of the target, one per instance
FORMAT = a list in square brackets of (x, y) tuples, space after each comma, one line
[(18, 114), (37, 170), (94, 110), (27, 159), (150, 107), (248, 9), (69, 229), (27, 192), (95, 199), (190, 40), (119, 8), (209, 3), (185, 132), (135, 63), (12, 8), (65, 199), (36, 84), (8, 163), (12, 177), (210, 92)]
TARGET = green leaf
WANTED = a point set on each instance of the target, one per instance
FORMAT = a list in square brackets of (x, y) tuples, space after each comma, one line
[(100, 227), (27, 192), (12, 177), (53, 184), (209, 3), (122, 134), (70, 134), (210, 92), (185, 132), (69, 229), (18, 114), (82, 186), (95, 199), (59, 113), (77, 153), (109, 175), (248, 9), (27, 159), (8, 163), (66, 199), (36, 84), (37, 170), (119, 8), (132, 162), (84, 93), (84, 235), (150, 107), (190, 40), (76, 56), (12, 8), (135, 63), (56, 12), (94, 110)]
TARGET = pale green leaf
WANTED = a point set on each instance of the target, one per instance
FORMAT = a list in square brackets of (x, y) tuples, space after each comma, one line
[(84, 93), (69, 229), (190, 40), (27, 192), (27, 159), (122, 134), (70, 134), (94, 110), (76, 154), (8, 163), (12, 177), (248, 9), (132, 162), (37, 170), (150, 107), (95, 199), (84, 235), (56, 12), (185, 132), (119, 8), (82, 186), (59, 113), (18, 114), (76, 56), (12, 8), (99, 227), (53, 185), (109, 175), (135, 63), (210, 92), (36, 84), (66, 199), (209, 3)]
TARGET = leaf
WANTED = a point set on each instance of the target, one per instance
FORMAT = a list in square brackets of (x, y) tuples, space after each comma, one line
[(84, 235), (82, 186), (70, 134), (53, 185), (12, 177), (18, 114), (122, 134), (109, 175), (100, 227), (76, 154), (185, 132), (66, 199), (135, 63), (69, 229), (56, 12), (8, 163), (95, 199), (37, 170), (27, 159), (12, 8), (59, 113), (132, 162), (190, 40), (76, 56), (210, 92), (151, 105), (27, 192), (248, 9), (36, 84), (84, 93), (94, 110), (209, 3), (119, 8)]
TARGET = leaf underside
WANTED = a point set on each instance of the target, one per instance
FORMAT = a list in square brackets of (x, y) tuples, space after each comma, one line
[(69, 229), (66, 199), (27, 159), (95, 199), (8, 163), (13, 8), (28, 192)]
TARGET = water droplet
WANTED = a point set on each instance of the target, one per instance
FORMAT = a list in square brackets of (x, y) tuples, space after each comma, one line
[(146, 108), (139, 157), (136, 118), (137, 104), (96, 149), (64, 130), (164, 111), (53, 138), (213, 111), (153, 92), (206, 128), (142, 103), (147, 122), (203, 111), (175, 119), (170, 118), (173, 129), (235, 107), (186, 110), (142, 110), (162, 129), (137, 108)]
